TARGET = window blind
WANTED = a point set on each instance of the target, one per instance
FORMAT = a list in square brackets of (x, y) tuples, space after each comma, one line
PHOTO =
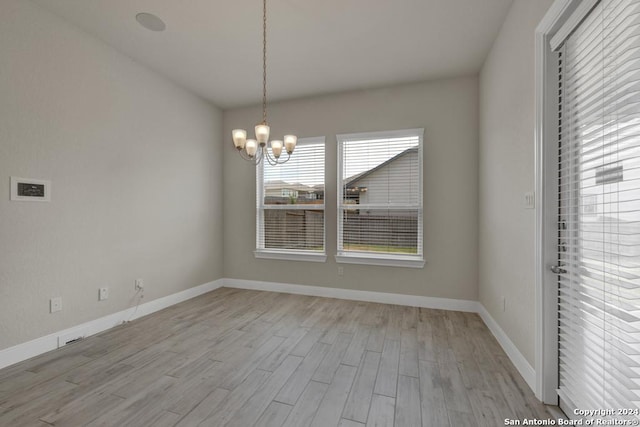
[(380, 194), (290, 201), (599, 211)]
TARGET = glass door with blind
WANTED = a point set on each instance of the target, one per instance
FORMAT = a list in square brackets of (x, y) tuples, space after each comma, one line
[(599, 212)]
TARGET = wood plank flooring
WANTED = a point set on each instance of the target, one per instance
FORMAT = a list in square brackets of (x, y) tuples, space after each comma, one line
[(247, 358)]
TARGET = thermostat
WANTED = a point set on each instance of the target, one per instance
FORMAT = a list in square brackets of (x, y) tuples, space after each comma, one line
[(30, 190)]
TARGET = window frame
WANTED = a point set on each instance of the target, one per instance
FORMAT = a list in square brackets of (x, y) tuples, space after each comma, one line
[(379, 258), (289, 254)]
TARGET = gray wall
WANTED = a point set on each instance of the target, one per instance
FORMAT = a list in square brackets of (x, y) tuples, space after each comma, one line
[(507, 121), (137, 178), (448, 111)]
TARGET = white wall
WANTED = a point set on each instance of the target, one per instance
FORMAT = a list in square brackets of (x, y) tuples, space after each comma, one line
[(448, 111), (137, 180), (506, 251)]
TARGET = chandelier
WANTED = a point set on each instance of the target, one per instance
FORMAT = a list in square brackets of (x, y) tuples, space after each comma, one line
[(255, 150)]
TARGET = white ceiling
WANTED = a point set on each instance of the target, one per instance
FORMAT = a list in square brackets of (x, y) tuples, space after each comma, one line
[(214, 47)]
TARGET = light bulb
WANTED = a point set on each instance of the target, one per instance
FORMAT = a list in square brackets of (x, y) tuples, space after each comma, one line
[(276, 147), (251, 147), (262, 133), (290, 143), (239, 138)]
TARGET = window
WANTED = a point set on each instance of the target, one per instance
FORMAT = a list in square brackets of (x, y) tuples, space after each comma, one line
[(380, 198), (290, 205), (598, 210)]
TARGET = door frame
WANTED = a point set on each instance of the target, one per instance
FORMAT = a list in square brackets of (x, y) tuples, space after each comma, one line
[(546, 187)]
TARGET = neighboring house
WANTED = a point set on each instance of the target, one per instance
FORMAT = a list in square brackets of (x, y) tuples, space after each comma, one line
[(386, 230), (293, 228), (387, 183), (284, 193)]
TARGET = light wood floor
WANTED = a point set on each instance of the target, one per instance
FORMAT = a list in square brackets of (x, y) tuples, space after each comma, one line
[(244, 358)]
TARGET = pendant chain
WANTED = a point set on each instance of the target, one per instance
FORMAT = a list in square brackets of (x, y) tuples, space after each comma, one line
[(264, 62)]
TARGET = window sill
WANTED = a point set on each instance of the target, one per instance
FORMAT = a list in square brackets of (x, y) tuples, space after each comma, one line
[(382, 260), (291, 255)]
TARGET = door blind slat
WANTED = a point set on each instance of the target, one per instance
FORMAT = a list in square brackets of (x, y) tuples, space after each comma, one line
[(599, 209)]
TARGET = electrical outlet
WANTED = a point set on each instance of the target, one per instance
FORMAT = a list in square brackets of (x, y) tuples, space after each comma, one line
[(340, 270), (139, 285), (103, 294), (55, 304)]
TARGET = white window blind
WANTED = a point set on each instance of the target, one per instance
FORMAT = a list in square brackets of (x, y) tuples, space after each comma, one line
[(290, 201), (380, 195), (599, 211)]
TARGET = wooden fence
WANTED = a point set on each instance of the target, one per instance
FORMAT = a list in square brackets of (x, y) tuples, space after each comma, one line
[(304, 229)]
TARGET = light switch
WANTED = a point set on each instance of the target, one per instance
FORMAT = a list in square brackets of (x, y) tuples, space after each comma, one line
[(530, 200)]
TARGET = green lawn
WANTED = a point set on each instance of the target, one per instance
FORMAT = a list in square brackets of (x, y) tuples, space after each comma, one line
[(380, 248)]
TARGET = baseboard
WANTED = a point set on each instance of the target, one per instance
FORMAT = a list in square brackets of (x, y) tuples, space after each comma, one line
[(27, 350), (519, 361), (355, 295)]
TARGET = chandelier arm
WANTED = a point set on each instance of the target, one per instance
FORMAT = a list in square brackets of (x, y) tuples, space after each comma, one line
[(273, 161), (244, 155), (281, 162), (255, 159)]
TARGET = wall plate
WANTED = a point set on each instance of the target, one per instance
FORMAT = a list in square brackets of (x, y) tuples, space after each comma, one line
[(55, 304), (530, 200), (30, 190)]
